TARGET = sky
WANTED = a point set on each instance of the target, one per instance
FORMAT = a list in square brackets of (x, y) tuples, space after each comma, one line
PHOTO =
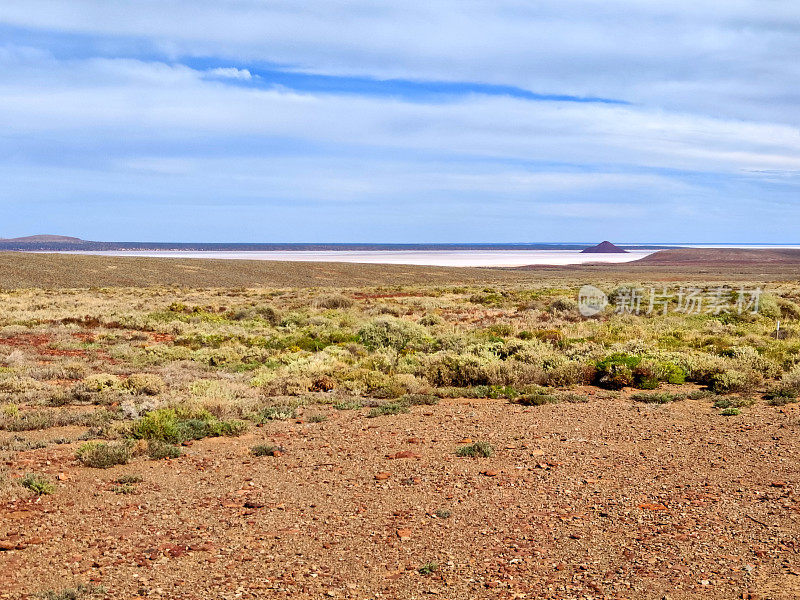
[(414, 121)]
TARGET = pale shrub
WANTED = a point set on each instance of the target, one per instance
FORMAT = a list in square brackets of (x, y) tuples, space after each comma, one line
[(390, 332)]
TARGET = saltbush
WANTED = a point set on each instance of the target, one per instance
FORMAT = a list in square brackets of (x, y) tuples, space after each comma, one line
[(102, 455), (390, 332)]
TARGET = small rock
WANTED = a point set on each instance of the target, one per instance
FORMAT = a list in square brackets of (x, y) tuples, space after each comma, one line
[(490, 473), (404, 534), (382, 475), (404, 454)]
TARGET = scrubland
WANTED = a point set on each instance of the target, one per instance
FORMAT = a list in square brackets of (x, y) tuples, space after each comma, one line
[(97, 380)]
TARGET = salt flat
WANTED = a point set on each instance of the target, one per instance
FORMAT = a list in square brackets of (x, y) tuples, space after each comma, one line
[(440, 258)]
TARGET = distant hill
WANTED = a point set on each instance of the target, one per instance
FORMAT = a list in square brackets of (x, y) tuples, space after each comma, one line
[(43, 239), (604, 247), (721, 257)]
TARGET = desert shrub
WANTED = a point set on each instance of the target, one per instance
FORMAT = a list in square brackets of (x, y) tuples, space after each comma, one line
[(430, 320), (734, 401), (266, 450), (44, 419), (475, 450), (536, 399), (175, 426), (16, 384), (768, 306), (572, 398), (446, 369), (158, 450), (129, 479), (332, 302), (102, 455), (418, 399), (277, 413), (731, 412), (428, 569), (390, 408), (390, 332), (488, 297), (732, 380), (563, 304), (353, 404), (265, 313), (318, 418), (782, 395), (656, 397), (100, 382), (616, 372), (789, 309), (81, 592), (791, 379), (747, 358), (38, 484), (147, 384), (670, 373)]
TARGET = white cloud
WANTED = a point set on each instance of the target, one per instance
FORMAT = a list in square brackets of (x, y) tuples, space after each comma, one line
[(736, 58), (231, 73), (152, 101)]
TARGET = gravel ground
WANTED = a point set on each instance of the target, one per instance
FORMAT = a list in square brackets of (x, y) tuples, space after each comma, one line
[(607, 499)]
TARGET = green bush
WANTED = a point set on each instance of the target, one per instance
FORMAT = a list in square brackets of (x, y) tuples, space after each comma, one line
[(265, 450), (616, 371), (158, 449), (475, 450), (734, 401), (102, 455), (38, 484), (176, 426), (428, 569)]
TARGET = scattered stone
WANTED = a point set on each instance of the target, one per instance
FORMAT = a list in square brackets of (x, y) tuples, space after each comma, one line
[(404, 454)]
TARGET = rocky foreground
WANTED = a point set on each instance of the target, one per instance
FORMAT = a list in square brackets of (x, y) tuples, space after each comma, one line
[(606, 499)]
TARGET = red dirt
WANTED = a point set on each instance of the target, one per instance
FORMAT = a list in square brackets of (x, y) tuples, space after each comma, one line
[(25, 340), (607, 499)]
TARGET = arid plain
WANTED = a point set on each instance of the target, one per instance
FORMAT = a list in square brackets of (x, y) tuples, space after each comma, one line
[(210, 429)]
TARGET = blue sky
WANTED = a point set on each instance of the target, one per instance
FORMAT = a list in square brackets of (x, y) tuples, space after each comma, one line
[(436, 121)]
